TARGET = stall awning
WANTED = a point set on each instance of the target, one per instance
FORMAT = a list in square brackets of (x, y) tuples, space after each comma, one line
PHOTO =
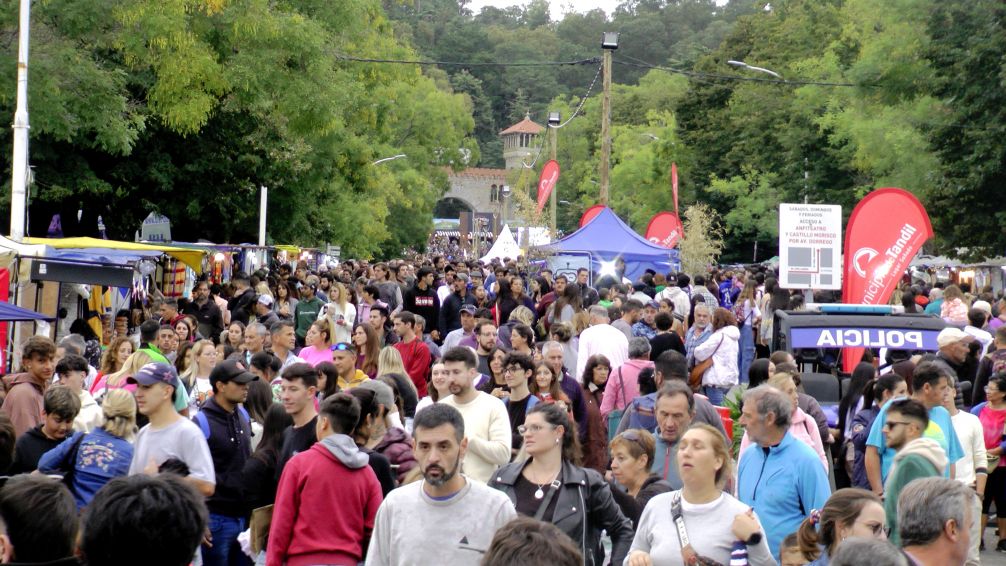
[(190, 257), (14, 313)]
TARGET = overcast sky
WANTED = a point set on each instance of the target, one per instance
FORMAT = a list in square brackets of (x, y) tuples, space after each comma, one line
[(559, 7)]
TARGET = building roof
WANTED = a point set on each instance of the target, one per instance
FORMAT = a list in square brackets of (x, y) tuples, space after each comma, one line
[(479, 172), (525, 126)]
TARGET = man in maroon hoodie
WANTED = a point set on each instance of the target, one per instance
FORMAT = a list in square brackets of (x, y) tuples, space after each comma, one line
[(23, 403), (328, 495)]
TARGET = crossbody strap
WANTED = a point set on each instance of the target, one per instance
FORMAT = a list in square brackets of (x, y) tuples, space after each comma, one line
[(688, 554), (553, 488), (622, 383)]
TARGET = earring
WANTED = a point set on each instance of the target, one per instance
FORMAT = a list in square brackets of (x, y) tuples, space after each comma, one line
[(557, 441)]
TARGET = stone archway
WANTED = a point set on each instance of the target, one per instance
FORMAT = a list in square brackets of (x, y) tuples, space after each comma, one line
[(451, 207)]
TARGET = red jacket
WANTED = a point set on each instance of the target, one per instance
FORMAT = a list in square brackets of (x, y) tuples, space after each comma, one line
[(416, 357), (324, 511)]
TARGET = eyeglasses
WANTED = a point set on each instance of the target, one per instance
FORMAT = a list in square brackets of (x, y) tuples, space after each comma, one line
[(989, 389), (533, 429), (513, 369), (878, 528), (892, 424)]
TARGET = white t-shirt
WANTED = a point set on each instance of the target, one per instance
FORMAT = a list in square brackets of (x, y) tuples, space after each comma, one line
[(969, 433), (181, 439)]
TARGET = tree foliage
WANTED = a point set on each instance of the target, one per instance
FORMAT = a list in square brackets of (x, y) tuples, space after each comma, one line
[(702, 242), (188, 106)]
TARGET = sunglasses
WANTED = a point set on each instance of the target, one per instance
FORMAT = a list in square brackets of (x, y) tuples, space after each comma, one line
[(343, 347)]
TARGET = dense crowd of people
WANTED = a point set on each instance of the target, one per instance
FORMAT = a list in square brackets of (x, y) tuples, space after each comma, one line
[(437, 412)]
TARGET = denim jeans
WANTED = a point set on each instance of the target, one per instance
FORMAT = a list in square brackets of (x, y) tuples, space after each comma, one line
[(746, 352), (225, 531), (715, 394)]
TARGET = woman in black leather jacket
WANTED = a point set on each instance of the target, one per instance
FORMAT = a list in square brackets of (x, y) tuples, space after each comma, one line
[(552, 488)]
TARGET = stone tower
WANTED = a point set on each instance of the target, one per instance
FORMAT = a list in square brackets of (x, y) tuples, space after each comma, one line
[(518, 142)]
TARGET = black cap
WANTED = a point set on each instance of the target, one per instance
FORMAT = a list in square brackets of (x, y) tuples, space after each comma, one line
[(231, 370)]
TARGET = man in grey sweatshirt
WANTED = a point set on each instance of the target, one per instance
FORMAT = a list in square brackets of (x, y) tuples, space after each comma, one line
[(445, 518)]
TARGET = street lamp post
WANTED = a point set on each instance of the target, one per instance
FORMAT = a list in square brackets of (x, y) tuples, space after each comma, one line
[(19, 168), (609, 43), (743, 65), (392, 158), (554, 119)]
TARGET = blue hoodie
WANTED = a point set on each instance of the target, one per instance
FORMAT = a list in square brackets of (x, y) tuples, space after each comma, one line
[(783, 484)]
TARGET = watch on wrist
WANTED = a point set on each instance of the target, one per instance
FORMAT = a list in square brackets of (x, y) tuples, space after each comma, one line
[(754, 539)]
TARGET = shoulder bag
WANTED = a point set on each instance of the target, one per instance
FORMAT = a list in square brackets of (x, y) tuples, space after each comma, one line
[(688, 554), (695, 377)]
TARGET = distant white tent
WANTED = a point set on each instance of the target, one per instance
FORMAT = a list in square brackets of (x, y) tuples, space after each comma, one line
[(505, 246)]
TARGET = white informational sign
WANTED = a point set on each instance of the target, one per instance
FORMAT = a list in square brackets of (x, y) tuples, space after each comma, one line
[(568, 263), (810, 246)]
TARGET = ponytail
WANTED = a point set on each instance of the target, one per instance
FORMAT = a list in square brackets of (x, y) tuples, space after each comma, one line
[(807, 537), (820, 528)]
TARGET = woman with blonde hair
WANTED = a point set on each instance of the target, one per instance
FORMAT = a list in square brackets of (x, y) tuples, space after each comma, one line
[(340, 311), (390, 364), (88, 461), (714, 521), (197, 378), (117, 380), (390, 361)]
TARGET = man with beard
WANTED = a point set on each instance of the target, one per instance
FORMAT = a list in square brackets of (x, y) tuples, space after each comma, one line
[(446, 518), (487, 424)]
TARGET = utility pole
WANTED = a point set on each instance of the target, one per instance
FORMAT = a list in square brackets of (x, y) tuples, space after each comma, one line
[(19, 169), (554, 118), (806, 180), (262, 207), (609, 43)]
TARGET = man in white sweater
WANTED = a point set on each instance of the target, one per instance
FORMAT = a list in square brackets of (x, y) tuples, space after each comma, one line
[(601, 338), (445, 518), (972, 469), (487, 425)]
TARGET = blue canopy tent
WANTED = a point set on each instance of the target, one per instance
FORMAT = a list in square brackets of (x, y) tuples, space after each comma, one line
[(14, 313), (606, 238)]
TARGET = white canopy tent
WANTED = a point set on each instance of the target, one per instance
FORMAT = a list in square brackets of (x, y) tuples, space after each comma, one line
[(504, 247)]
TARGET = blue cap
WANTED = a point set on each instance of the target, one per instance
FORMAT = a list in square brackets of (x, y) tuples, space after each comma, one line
[(154, 372)]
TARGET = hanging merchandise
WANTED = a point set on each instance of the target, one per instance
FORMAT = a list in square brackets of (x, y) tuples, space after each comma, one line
[(173, 279)]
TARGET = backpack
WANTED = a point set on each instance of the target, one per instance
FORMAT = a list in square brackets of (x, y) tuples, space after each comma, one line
[(204, 423), (642, 414), (998, 359)]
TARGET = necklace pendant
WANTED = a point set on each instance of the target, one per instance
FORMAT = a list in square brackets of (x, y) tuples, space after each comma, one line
[(539, 494)]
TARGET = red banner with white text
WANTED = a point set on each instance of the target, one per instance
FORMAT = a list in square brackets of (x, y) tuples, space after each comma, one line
[(885, 231), (546, 182), (664, 229)]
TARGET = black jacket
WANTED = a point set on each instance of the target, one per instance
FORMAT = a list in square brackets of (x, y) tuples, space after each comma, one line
[(450, 311), (211, 321), (424, 303), (258, 480), (241, 306), (583, 509), (632, 507), (29, 449), (230, 447)]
